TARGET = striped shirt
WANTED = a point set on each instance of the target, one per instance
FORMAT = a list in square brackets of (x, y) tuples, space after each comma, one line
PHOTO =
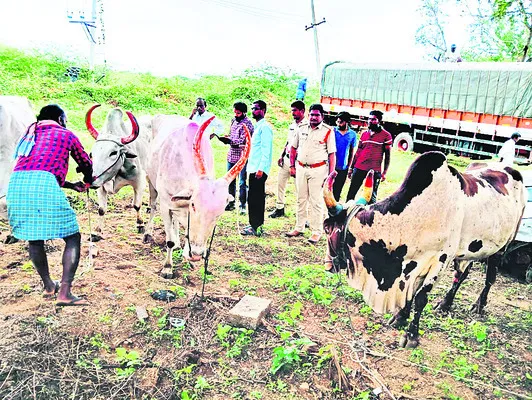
[(53, 144), (238, 139), (370, 150)]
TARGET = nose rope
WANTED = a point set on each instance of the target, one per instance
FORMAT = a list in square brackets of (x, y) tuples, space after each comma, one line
[(113, 164), (207, 254), (343, 249), (89, 257)]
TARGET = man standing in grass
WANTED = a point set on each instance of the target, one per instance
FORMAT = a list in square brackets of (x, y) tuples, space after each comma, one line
[(346, 141), (315, 147), (259, 164), (200, 115), (237, 142), (298, 112), (375, 144)]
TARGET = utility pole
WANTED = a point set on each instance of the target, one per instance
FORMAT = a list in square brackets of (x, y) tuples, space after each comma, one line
[(313, 26)]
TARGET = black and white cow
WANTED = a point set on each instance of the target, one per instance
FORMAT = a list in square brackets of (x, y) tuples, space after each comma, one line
[(393, 250)]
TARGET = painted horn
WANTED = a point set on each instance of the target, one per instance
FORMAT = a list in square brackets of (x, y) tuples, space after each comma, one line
[(134, 129), (233, 172), (88, 123), (367, 190), (198, 157), (332, 205)]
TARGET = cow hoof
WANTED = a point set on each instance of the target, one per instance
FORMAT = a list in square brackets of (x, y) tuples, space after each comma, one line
[(10, 239), (140, 228), (442, 307), (147, 238), (477, 309), (397, 321), (167, 273), (408, 342)]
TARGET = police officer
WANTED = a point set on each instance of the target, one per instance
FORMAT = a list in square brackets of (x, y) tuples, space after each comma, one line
[(315, 147)]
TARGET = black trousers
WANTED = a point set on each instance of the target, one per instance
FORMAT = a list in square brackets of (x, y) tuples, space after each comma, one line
[(256, 199), (339, 182), (356, 181)]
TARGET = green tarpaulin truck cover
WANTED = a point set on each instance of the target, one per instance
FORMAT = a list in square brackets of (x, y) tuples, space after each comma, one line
[(486, 88)]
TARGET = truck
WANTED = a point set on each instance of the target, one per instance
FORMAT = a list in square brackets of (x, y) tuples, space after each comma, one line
[(468, 109)]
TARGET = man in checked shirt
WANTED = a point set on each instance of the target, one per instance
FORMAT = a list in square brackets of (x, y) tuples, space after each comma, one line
[(237, 142), (37, 208)]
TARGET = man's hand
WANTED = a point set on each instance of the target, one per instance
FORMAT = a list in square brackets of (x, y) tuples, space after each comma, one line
[(350, 172), (383, 177), (77, 186), (258, 174), (280, 162), (293, 171)]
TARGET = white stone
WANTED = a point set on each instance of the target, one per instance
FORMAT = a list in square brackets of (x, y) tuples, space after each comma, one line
[(249, 311)]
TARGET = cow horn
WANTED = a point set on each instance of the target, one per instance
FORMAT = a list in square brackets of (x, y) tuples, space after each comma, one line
[(134, 129), (198, 157), (88, 123), (233, 172), (332, 205), (367, 191)]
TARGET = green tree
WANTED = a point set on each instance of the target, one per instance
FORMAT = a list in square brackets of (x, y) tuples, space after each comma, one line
[(431, 32), (501, 30)]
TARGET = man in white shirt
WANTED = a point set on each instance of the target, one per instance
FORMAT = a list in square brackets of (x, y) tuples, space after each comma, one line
[(200, 115), (507, 151)]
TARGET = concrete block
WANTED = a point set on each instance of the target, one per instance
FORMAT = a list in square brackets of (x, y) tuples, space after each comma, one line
[(248, 312), (142, 314)]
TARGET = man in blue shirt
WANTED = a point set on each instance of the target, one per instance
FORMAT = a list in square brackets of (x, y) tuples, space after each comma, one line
[(259, 164), (346, 140), (301, 89)]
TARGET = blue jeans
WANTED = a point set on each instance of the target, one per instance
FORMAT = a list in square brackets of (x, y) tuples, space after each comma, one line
[(242, 185)]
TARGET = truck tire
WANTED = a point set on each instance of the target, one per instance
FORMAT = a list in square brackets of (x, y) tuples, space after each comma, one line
[(403, 142)]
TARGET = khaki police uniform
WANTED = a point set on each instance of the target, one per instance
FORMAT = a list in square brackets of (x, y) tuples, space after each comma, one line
[(313, 149), (284, 172)]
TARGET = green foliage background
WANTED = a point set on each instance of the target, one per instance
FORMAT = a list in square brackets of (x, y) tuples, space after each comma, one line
[(41, 78)]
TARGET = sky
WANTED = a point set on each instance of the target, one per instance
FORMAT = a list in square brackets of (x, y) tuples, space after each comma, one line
[(191, 38)]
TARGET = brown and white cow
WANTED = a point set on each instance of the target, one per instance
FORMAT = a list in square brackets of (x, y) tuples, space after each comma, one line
[(119, 158), (393, 250), (16, 115), (181, 174)]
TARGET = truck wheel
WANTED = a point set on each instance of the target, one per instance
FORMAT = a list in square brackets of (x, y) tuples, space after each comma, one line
[(403, 142)]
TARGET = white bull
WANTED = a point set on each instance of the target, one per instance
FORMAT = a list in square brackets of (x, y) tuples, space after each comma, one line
[(119, 158), (181, 175), (16, 115)]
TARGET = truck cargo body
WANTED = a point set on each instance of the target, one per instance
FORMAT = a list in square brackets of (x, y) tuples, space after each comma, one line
[(465, 108)]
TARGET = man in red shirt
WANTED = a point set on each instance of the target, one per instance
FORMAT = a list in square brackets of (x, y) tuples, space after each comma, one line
[(374, 145)]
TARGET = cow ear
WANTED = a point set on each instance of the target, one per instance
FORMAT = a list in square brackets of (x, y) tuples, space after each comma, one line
[(130, 155), (185, 194)]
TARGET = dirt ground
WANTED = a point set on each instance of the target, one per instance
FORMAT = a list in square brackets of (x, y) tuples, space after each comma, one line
[(343, 350)]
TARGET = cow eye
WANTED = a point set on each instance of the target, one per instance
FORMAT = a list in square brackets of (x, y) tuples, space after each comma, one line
[(113, 153)]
